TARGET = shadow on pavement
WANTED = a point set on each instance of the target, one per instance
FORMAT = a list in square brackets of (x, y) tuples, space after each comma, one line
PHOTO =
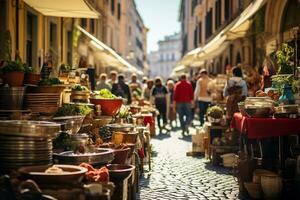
[(219, 169), (162, 136), (187, 138)]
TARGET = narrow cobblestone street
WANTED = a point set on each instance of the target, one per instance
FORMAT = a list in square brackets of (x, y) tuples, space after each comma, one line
[(177, 176)]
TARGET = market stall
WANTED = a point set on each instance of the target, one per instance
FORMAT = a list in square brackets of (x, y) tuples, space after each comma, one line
[(90, 145)]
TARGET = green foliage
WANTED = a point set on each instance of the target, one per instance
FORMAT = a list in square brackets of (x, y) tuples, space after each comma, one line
[(12, 66), (105, 133), (296, 86), (215, 112), (105, 94), (28, 70), (280, 81), (65, 68), (124, 112), (78, 87), (49, 82), (284, 56), (72, 109)]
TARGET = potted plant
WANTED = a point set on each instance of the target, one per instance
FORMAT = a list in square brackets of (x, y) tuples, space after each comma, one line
[(32, 77), (64, 72), (284, 59), (215, 114), (13, 73)]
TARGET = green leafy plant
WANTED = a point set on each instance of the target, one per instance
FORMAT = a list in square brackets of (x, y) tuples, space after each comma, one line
[(284, 62), (215, 112), (105, 94), (65, 68), (12, 66), (280, 81), (79, 87), (296, 86), (49, 82), (124, 112), (72, 109)]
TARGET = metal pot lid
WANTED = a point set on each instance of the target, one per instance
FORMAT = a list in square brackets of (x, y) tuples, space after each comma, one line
[(68, 117), (119, 125), (29, 128)]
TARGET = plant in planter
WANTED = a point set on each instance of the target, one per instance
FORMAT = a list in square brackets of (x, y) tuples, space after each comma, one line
[(215, 114), (32, 76), (284, 59), (13, 73), (65, 69)]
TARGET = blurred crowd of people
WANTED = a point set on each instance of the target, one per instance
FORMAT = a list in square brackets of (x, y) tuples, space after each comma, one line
[(187, 97)]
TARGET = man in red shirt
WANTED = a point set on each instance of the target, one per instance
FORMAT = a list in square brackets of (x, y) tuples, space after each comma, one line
[(183, 101)]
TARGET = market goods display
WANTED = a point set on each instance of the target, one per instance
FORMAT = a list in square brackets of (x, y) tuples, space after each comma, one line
[(100, 156), (56, 174), (95, 175), (259, 106), (80, 94), (119, 172), (72, 110), (44, 103)]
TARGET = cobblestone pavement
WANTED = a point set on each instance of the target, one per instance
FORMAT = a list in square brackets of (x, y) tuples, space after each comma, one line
[(177, 176)]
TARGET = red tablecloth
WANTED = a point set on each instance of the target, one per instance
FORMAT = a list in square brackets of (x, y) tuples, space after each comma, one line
[(257, 128)]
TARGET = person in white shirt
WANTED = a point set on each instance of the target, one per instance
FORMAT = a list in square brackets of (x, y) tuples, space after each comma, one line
[(202, 94)]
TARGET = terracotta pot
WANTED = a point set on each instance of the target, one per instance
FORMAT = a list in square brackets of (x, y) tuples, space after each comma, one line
[(120, 156), (260, 172), (109, 107), (271, 185), (254, 190), (32, 79), (14, 79)]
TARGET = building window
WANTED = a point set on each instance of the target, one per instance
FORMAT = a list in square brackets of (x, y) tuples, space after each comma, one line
[(84, 22), (139, 44), (173, 57), (69, 47), (227, 9), (92, 25), (208, 23), (161, 57), (217, 14), (129, 30), (195, 37), (200, 32), (119, 11), (29, 39), (112, 6)]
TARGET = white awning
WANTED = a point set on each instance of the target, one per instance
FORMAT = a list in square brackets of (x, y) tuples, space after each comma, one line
[(236, 29), (242, 25), (64, 8), (104, 54), (213, 48), (179, 68)]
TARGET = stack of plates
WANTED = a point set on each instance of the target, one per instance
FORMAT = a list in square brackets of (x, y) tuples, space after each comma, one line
[(18, 151), (46, 103)]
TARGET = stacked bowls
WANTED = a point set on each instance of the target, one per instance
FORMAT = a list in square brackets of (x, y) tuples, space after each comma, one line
[(26, 143)]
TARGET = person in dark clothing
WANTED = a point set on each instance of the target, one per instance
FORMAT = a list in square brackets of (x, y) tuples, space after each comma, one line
[(91, 72), (46, 70), (122, 89), (159, 97)]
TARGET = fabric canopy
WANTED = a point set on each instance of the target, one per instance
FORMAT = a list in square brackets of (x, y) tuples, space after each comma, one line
[(242, 25), (64, 8), (105, 55), (236, 29), (213, 48)]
